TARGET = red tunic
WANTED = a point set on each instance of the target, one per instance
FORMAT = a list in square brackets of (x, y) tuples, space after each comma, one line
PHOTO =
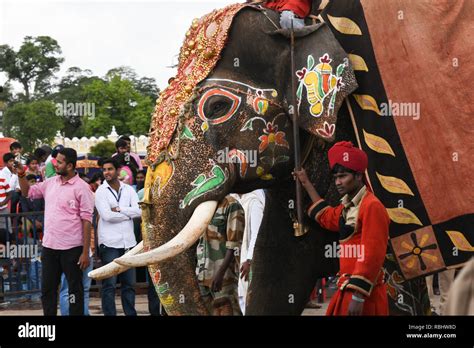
[(301, 8), (362, 273)]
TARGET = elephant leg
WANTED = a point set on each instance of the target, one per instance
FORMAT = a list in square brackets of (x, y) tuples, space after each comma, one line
[(284, 268)]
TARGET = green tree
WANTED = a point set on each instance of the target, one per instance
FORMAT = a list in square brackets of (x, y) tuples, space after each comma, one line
[(32, 123), (70, 89), (117, 103), (6, 94), (103, 149), (74, 77), (33, 65), (145, 85)]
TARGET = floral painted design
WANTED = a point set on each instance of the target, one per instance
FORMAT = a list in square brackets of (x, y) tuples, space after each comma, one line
[(327, 131), (270, 140), (272, 137)]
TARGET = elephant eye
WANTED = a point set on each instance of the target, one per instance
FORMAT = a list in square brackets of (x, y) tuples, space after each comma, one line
[(217, 106)]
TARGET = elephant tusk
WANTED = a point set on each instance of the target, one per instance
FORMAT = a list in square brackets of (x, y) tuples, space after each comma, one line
[(194, 229), (113, 268)]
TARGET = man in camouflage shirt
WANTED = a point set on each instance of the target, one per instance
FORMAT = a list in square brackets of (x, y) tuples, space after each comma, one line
[(218, 254)]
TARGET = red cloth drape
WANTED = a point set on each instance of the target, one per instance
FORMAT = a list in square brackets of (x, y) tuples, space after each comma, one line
[(301, 8)]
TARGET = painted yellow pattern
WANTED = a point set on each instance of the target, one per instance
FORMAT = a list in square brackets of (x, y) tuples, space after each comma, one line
[(460, 241), (423, 240), (358, 63), (167, 300), (312, 81), (411, 262), (378, 144), (367, 102), (163, 173), (345, 25), (403, 216), (430, 257), (394, 185)]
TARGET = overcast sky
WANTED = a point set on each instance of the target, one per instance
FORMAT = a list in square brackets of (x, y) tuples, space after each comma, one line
[(104, 34)]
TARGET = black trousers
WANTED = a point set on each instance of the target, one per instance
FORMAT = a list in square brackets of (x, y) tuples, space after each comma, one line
[(56, 262)]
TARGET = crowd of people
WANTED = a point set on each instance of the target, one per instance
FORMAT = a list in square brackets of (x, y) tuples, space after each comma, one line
[(84, 218), (79, 217)]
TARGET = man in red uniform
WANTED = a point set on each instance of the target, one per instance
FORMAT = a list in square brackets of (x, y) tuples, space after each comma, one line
[(289, 10), (362, 222)]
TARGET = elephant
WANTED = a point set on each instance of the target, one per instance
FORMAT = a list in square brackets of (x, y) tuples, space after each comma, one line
[(237, 136), (225, 124)]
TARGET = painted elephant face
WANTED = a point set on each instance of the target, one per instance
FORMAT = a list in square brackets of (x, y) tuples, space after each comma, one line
[(226, 130), (244, 105), (246, 125)]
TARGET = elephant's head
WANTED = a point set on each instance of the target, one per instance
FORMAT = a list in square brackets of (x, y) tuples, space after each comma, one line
[(225, 125)]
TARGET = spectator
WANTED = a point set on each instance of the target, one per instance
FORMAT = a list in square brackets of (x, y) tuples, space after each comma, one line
[(50, 170), (128, 164), (16, 149), (47, 149), (34, 227), (121, 146), (291, 11), (96, 180), (9, 170), (253, 204), (14, 184), (69, 204), (217, 265), (32, 165), (117, 205), (461, 295), (127, 168), (140, 180), (9, 173), (42, 155), (30, 205), (445, 280), (86, 281), (5, 190), (128, 143)]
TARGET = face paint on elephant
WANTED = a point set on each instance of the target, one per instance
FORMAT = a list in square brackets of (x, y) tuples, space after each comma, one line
[(247, 126), (233, 134)]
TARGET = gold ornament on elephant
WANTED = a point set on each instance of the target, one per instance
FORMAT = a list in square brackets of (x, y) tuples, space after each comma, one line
[(199, 54)]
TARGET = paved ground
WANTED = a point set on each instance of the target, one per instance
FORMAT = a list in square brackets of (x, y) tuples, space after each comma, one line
[(34, 308), (141, 305)]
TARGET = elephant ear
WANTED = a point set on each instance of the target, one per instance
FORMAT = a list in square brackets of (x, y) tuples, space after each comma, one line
[(324, 78)]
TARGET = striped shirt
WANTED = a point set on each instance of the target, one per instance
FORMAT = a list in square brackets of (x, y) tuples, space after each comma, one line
[(4, 189)]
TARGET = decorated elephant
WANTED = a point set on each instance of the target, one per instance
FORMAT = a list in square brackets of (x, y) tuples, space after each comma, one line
[(225, 124)]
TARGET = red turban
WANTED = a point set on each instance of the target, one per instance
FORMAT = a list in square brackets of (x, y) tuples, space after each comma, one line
[(345, 154)]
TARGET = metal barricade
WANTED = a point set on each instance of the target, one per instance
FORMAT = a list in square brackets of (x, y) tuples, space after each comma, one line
[(20, 251)]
